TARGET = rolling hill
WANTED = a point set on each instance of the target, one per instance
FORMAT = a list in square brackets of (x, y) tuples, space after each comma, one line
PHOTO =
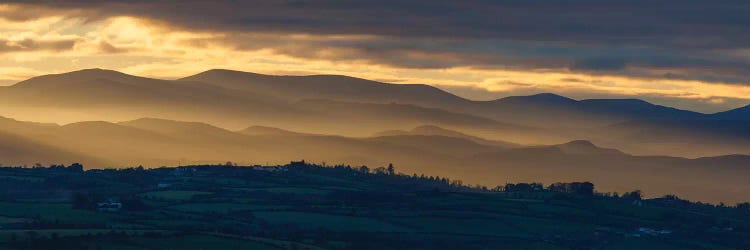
[(435, 130), (333, 87), (17, 151), (96, 94), (541, 110), (466, 139), (269, 131), (156, 142), (738, 114), (686, 138)]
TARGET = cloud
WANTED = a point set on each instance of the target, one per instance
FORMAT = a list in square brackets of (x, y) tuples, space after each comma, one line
[(108, 48), (11, 75), (600, 64), (689, 40), (693, 50), (36, 45), (673, 22)]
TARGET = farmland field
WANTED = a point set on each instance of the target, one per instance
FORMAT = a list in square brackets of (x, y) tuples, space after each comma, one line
[(314, 207)]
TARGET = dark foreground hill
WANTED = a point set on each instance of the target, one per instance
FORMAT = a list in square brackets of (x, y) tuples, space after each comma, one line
[(302, 206)]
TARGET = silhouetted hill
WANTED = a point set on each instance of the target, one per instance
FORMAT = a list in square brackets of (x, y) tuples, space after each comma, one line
[(231, 98), (445, 145), (541, 110), (18, 150), (334, 87), (110, 95), (435, 130), (85, 75), (262, 96), (687, 130), (369, 118), (704, 178), (585, 147), (23, 127), (736, 160), (180, 129), (156, 142), (738, 114), (402, 113), (357, 107), (687, 138), (269, 131), (537, 99), (549, 110), (636, 109)]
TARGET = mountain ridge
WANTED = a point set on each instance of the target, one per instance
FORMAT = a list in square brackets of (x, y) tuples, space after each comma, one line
[(114, 75), (507, 109)]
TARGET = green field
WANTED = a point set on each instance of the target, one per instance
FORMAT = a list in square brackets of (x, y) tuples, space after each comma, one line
[(220, 207), (290, 190), (6, 235), (186, 242), (62, 213), (174, 195), (331, 222), (316, 208)]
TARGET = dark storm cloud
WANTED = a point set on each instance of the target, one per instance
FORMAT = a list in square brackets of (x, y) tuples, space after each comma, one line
[(695, 39), (600, 64), (688, 23)]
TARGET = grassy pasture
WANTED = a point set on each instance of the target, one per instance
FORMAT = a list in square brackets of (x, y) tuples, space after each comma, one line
[(328, 221), (199, 242), (63, 213), (175, 195), (214, 207)]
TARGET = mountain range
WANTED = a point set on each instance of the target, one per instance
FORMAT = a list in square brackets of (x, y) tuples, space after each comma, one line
[(319, 103), (222, 115)]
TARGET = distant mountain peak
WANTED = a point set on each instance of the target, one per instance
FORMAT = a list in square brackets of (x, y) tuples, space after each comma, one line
[(265, 130), (548, 95), (237, 74), (622, 101), (539, 98), (227, 72), (428, 128), (83, 75), (585, 147), (161, 121), (96, 73), (580, 143), (739, 114), (95, 70)]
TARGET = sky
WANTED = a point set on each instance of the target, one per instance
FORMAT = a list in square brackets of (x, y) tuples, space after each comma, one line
[(688, 54)]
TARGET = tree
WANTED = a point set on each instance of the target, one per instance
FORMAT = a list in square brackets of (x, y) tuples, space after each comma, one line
[(583, 188), (381, 170), (391, 169), (364, 169), (635, 195), (75, 167), (745, 206), (523, 187)]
